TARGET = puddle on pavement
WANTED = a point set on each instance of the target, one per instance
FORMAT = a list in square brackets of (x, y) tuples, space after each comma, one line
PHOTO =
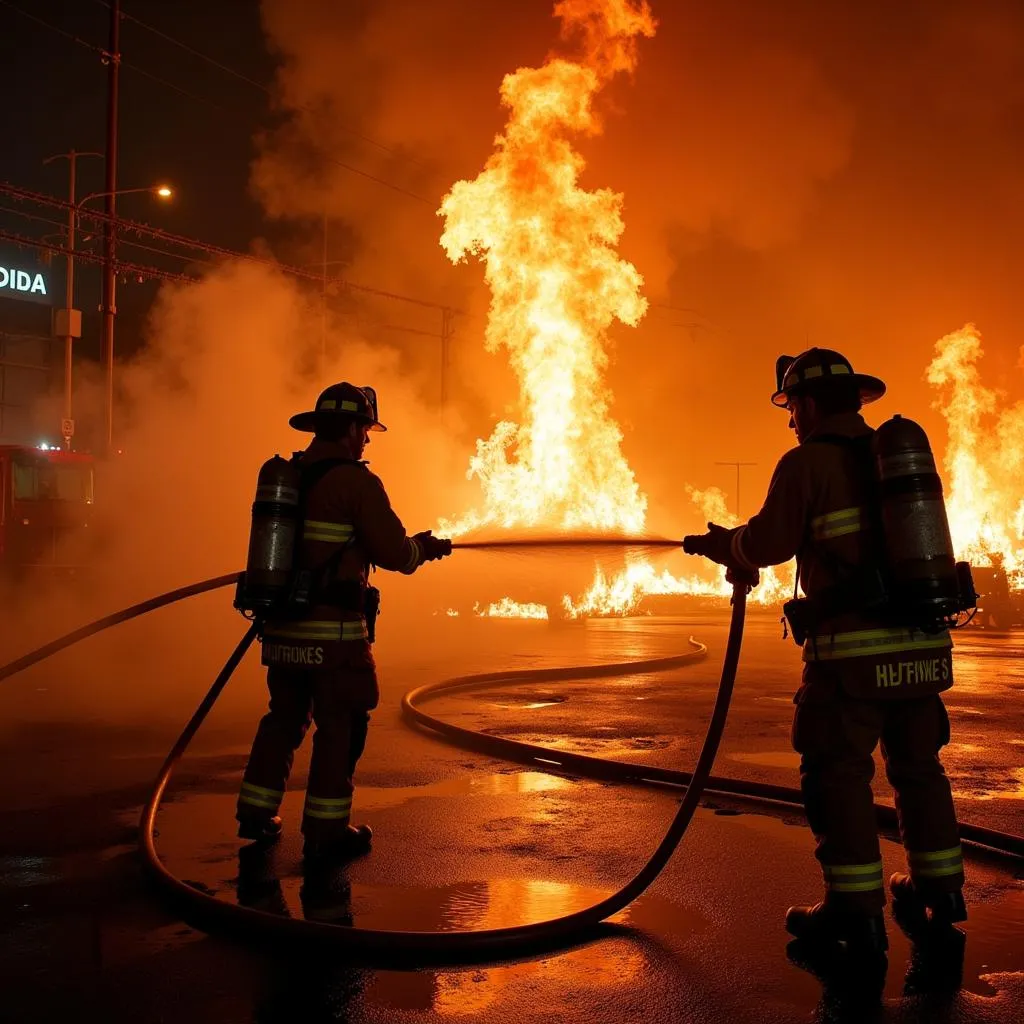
[(1005, 788), (271, 881), (530, 706), (768, 758), (517, 701), (374, 798)]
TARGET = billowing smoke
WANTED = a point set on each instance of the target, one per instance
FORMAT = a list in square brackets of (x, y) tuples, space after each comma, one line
[(227, 362), (792, 175)]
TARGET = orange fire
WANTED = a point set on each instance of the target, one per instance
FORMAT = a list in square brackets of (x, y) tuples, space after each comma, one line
[(984, 457), (506, 608), (557, 285)]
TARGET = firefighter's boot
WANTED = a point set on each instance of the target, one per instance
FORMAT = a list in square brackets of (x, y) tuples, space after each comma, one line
[(925, 915), (259, 828), (862, 935), (353, 842)]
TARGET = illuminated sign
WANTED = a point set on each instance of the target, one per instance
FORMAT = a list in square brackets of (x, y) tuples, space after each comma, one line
[(22, 281)]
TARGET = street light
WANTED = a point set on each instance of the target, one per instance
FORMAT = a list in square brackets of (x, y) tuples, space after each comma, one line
[(68, 321), (109, 287), (163, 191)]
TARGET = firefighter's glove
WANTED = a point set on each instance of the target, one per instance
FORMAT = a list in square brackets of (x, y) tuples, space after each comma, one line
[(749, 577), (431, 546), (716, 544)]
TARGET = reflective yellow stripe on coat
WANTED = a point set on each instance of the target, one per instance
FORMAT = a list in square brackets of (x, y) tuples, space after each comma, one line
[(314, 629), (333, 533), (839, 523), (863, 642)]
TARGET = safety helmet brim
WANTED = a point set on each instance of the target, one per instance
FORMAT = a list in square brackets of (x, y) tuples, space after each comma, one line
[(871, 389), (309, 422)]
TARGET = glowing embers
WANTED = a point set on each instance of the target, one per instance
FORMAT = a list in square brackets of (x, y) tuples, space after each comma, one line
[(506, 608)]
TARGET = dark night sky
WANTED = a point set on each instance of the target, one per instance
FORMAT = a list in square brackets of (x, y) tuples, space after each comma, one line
[(201, 145)]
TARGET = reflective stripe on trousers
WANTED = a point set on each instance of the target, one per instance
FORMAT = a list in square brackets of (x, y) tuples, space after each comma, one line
[(327, 808), (853, 877), (935, 863), (260, 797)]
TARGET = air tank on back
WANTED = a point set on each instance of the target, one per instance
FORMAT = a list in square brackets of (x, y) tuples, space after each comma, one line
[(925, 582), (275, 520)]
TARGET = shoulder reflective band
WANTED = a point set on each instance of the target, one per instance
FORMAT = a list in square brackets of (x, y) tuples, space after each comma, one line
[(838, 523), (936, 863), (872, 641), (313, 629), (853, 877), (334, 533)]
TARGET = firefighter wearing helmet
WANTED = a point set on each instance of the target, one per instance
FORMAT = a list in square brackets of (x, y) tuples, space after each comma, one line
[(865, 679), (320, 665)]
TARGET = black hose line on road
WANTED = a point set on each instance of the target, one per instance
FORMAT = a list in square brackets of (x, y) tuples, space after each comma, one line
[(388, 947)]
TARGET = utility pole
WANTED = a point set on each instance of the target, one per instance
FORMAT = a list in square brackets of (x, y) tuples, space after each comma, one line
[(113, 59), (68, 321), (737, 465)]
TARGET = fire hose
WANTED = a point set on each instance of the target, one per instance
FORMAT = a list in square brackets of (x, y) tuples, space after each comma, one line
[(383, 947)]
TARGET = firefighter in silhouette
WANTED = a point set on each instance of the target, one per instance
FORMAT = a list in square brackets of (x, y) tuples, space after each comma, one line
[(321, 668), (819, 509)]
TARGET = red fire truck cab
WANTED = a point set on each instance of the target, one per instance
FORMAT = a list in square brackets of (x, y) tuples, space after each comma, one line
[(46, 504)]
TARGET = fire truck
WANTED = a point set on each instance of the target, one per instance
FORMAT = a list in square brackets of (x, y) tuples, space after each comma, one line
[(46, 504)]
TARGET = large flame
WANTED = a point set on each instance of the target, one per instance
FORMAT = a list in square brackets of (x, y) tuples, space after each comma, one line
[(557, 285), (984, 459)]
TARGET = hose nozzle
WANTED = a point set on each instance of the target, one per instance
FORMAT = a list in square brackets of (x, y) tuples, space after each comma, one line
[(695, 544)]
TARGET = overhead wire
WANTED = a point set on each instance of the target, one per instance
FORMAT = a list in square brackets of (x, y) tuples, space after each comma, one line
[(123, 225), (268, 92), (265, 89), (54, 28), (207, 103)]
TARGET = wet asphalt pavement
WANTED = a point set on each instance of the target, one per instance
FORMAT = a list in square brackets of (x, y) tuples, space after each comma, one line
[(465, 841)]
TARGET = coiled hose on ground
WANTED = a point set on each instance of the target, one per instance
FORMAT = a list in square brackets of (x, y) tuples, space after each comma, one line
[(389, 947)]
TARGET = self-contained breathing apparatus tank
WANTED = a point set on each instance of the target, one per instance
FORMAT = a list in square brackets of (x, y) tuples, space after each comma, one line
[(926, 585), (276, 512)]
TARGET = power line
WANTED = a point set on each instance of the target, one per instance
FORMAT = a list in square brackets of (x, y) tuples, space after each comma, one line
[(121, 266), (205, 102), (170, 238), (54, 28), (268, 92), (235, 73)]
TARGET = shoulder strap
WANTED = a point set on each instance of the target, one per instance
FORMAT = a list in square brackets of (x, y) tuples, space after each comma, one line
[(863, 441), (309, 476), (861, 447), (314, 472)]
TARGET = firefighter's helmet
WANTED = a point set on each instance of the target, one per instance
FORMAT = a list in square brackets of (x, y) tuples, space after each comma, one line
[(820, 367), (342, 399)]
